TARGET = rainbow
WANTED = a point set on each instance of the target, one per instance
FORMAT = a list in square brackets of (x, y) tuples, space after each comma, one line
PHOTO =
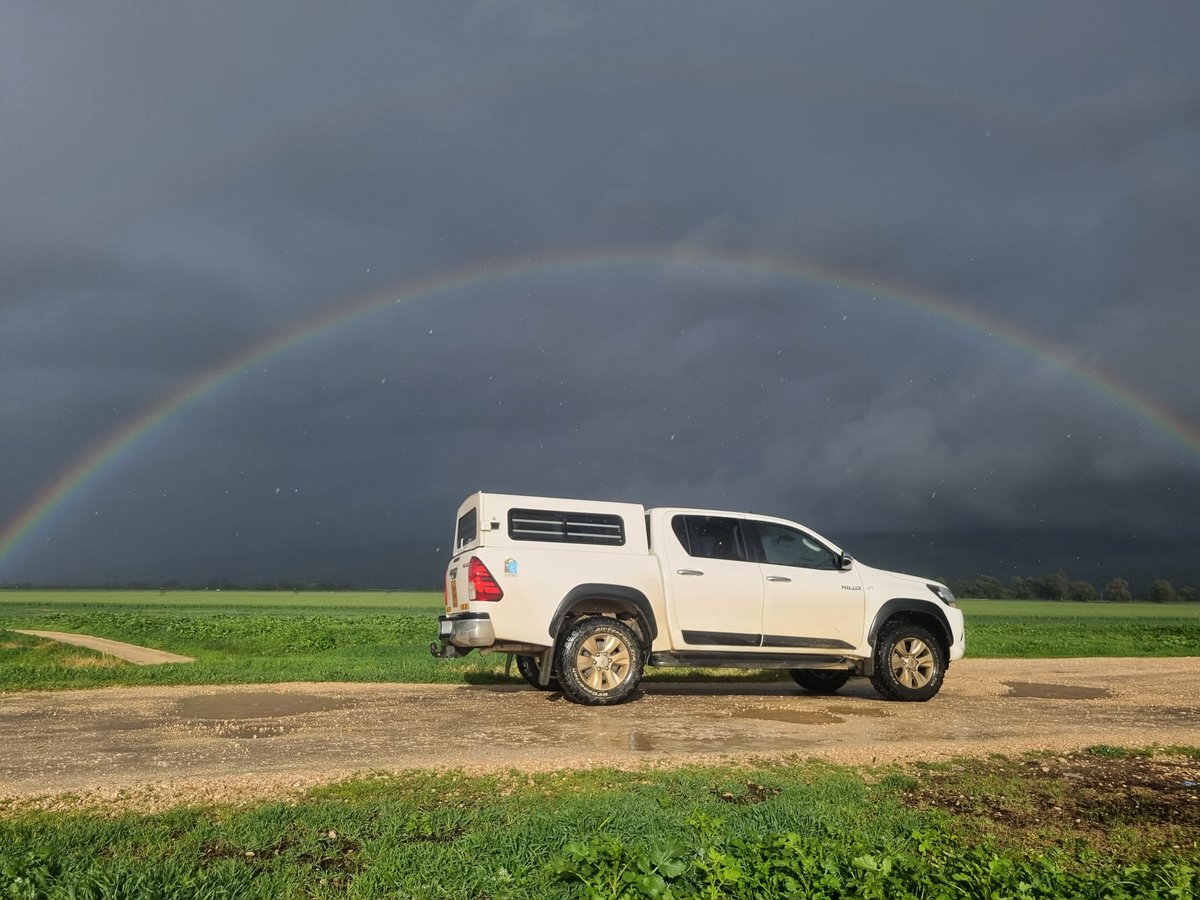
[(707, 263)]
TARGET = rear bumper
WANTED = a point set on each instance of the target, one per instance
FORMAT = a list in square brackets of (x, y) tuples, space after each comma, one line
[(466, 630)]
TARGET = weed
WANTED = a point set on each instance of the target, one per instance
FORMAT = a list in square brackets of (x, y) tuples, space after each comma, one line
[(1107, 751), (932, 863)]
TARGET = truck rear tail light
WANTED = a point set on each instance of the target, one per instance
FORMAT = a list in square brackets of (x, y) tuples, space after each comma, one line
[(481, 584)]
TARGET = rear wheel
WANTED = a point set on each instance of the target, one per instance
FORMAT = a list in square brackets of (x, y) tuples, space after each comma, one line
[(599, 662), (909, 663), (530, 668), (820, 681)]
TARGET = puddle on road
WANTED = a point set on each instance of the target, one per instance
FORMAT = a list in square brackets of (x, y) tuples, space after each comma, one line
[(676, 742), (791, 716), (254, 705), (718, 738), (1054, 691), (1170, 714), (252, 730), (871, 712), (830, 715)]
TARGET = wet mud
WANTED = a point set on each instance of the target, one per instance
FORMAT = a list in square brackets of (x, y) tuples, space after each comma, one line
[(1037, 691), (791, 716), (681, 741), (252, 715), (259, 704), (1082, 790)]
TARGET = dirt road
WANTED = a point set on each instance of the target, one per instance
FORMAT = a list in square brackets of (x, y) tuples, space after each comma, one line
[(142, 656), (146, 747)]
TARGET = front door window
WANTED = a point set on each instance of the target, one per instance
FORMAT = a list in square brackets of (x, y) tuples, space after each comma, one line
[(783, 546)]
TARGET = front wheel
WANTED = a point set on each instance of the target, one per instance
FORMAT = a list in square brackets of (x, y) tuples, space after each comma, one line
[(820, 681), (530, 668), (600, 661), (909, 663)]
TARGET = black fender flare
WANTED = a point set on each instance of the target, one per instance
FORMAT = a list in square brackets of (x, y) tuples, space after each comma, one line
[(924, 608), (602, 598)]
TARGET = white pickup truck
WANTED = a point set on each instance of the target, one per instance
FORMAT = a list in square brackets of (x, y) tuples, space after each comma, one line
[(585, 594)]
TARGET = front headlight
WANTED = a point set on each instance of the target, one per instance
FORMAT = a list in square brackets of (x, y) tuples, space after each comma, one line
[(943, 593)]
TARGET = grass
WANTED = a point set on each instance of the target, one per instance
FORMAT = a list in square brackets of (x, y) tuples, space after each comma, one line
[(247, 637), (236, 637), (1031, 628), (797, 829)]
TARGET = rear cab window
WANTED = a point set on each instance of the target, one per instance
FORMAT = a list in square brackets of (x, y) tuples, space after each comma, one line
[(711, 537)]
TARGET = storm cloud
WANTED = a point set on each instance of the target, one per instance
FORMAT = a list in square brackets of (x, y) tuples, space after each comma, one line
[(912, 269)]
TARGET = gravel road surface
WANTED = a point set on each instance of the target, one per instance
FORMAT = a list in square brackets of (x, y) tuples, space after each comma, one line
[(148, 747)]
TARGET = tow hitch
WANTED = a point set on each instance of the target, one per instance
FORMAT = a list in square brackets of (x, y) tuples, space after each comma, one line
[(447, 651)]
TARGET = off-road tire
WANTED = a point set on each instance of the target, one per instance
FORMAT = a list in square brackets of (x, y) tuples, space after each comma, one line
[(530, 668), (820, 681), (910, 663), (599, 662)]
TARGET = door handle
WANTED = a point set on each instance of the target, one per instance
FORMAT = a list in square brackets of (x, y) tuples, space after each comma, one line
[(688, 572), (778, 578)]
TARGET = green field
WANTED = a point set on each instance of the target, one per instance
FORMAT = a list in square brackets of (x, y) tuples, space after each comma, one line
[(1030, 827), (245, 637), (1035, 628), (1105, 823), (236, 637)]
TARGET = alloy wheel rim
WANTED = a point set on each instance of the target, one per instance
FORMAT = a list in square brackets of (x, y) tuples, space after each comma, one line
[(602, 662), (912, 663)]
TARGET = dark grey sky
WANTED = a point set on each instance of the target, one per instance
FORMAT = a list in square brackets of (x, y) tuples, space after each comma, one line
[(180, 182)]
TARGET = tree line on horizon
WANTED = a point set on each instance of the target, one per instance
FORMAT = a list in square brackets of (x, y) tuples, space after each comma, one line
[(1061, 587)]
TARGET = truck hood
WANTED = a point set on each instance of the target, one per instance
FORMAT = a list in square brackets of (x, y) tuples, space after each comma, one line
[(870, 573)]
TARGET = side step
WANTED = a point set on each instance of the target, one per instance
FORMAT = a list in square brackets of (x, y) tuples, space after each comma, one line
[(721, 659)]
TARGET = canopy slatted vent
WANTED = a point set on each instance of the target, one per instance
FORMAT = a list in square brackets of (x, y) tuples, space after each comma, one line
[(567, 528)]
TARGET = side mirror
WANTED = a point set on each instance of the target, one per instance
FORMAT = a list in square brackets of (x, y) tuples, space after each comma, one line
[(845, 561)]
